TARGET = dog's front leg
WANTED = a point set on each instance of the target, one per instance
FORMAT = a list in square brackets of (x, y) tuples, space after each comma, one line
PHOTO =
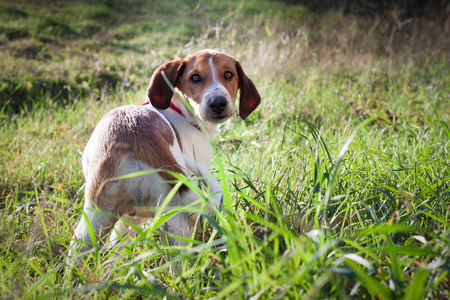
[(177, 226), (214, 186)]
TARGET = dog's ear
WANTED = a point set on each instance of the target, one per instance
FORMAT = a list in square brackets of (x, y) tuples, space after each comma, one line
[(249, 99), (159, 92)]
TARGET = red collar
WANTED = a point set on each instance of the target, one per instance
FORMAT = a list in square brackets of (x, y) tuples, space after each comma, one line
[(176, 109), (172, 106)]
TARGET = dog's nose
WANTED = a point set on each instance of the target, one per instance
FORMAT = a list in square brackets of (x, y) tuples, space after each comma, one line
[(218, 104)]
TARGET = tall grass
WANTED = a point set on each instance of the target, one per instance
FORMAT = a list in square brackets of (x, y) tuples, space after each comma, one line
[(336, 187)]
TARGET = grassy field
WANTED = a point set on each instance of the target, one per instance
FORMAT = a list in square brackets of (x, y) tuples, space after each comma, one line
[(338, 186)]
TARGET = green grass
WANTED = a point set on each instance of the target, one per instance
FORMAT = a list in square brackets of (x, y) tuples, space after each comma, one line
[(338, 186)]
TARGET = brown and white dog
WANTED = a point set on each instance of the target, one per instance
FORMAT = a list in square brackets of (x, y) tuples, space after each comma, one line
[(161, 136)]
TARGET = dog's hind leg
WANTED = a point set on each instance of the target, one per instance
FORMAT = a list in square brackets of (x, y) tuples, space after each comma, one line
[(93, 226), (122, 230)]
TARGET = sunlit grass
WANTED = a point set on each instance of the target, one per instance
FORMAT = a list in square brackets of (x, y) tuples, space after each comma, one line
[(336, 187)]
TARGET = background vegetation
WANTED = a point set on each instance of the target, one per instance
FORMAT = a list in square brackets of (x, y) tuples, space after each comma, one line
[(336, 187)]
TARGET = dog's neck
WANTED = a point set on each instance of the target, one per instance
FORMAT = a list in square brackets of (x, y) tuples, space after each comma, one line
[(178, 111), (195, 137), (206, 128)]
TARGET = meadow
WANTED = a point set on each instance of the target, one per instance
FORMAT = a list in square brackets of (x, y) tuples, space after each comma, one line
[(337, 186)]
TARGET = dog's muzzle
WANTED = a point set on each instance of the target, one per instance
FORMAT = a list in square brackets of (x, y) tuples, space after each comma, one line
[(218, 105)]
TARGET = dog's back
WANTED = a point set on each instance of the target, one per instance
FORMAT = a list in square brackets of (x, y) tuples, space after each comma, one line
[(129, 140)]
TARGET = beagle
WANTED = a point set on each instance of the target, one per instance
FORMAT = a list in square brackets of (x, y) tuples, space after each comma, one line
[(162, 135)]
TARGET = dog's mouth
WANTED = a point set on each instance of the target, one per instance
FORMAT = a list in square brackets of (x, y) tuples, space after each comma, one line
[(219, 118)]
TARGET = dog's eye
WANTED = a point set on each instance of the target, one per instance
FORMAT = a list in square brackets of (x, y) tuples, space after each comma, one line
[(228, 75), (195, 78)]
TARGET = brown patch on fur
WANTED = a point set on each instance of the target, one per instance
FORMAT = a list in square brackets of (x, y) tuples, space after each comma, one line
[(136, 131)]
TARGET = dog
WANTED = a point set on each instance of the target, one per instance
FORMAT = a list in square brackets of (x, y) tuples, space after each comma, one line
[(163, 137)]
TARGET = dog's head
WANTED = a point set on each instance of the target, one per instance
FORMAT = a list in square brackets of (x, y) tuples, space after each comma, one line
[(209, 81)]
